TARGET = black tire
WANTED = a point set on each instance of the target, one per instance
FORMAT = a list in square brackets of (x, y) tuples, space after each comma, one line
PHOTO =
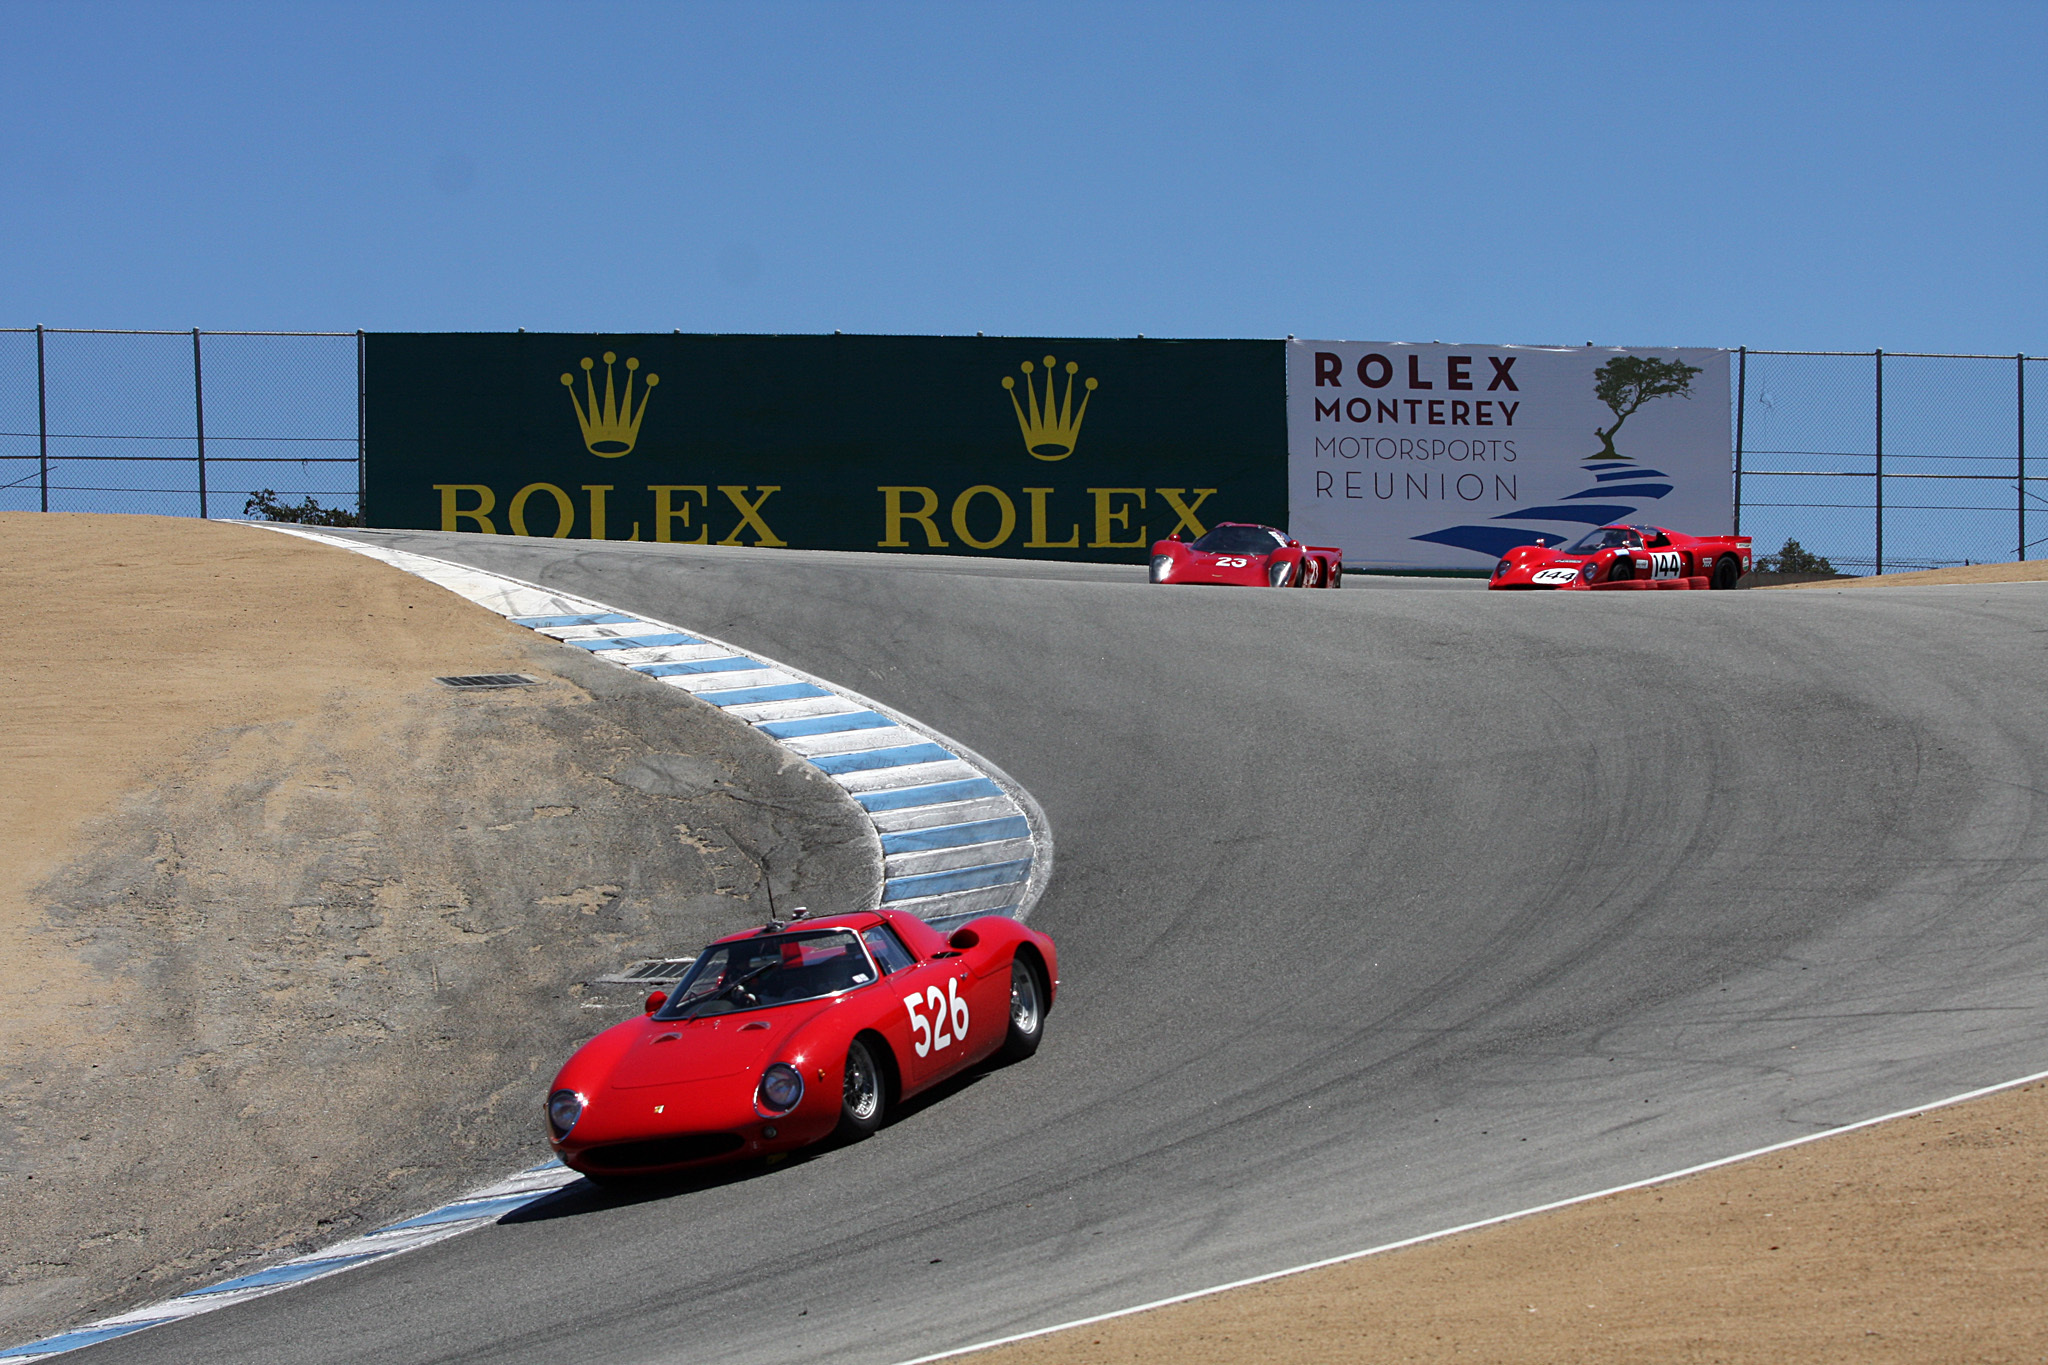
[(1621, 569), (1336, 579), (1027, 1011), (1727, 571), (864, 1093)]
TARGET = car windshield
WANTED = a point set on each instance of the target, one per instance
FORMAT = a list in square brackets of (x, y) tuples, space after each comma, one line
[(1238, 540), (774, 969), (1606, 538)]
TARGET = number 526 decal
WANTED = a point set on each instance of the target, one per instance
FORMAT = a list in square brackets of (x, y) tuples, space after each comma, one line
[(946, 1006)]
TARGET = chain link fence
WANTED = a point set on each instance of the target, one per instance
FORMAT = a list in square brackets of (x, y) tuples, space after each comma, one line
[(1875, 461), (178, 423), (1884, 462)]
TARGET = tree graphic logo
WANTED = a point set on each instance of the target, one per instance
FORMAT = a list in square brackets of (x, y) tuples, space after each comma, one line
[(1627, 382)]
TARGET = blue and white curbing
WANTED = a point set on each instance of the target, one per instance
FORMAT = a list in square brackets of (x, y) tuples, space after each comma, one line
[(471, 1211), (959, 838)]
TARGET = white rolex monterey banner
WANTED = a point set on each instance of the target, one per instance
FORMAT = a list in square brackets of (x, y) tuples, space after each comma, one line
[(1444, 457)]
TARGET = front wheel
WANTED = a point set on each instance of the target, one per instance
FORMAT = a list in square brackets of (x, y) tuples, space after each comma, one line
[(1727, 569), (864, 1097), (1027, 1013)]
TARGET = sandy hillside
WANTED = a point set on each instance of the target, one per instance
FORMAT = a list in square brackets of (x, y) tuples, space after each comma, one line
[(292, 936)]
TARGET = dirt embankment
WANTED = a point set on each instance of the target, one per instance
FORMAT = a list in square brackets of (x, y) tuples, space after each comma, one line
[(1914, 1241), (2023, 571), (291, 936)]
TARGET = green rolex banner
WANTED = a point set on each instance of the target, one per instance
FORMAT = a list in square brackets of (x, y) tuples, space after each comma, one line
[(1033, 447)]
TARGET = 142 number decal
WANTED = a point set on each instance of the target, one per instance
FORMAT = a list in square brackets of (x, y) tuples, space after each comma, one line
[(947, 1007)]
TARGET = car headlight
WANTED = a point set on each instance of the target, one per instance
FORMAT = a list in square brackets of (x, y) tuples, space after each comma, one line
[(782, 1087), (1500, 568), (1587, 571), (564, 1108), (1162, 565), (1278, 574)]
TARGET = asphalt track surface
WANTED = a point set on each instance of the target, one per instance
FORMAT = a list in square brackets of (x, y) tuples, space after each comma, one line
[(1379, 911)]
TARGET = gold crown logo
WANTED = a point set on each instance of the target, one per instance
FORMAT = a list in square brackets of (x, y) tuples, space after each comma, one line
[(1049, 432), (609, 430)]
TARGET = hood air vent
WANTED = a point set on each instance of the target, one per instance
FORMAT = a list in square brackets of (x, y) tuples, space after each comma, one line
[(479, 681)]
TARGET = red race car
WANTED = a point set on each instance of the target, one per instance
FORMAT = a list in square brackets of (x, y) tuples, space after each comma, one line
[(1627, 557), (1248, 555), (785, 1035)]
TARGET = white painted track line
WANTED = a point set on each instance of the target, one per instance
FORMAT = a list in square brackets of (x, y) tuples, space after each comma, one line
[(1494, 1221)]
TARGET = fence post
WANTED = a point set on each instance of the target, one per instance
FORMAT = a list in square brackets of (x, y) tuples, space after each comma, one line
[(41, 414), (2021, 502), (1880, 461), (199, 420), (362, 431), (1741, 410)]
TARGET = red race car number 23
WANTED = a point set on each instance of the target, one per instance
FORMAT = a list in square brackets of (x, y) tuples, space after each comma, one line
[(946, 1006)]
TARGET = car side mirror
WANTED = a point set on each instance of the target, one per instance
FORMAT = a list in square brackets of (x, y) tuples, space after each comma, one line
[(963, 938), (656, 1000)]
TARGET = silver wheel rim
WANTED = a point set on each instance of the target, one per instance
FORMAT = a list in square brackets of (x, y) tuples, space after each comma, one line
[(863, 1092), (1023, 999)]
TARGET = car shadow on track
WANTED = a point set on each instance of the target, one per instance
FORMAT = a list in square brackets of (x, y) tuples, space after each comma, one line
[(587, 1196)]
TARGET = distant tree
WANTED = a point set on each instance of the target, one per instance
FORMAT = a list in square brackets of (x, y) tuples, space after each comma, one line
[(1794, 558), (1627, 382), (265, 504)]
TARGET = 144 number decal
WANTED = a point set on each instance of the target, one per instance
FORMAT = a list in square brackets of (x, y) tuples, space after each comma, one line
[(947, 1007)]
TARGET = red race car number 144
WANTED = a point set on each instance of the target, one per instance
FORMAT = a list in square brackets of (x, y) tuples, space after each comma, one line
[(946, 1006)]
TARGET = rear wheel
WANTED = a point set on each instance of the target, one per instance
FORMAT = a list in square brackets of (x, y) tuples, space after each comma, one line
[(864, 1097), (1027, 1012), (1336, 576), (1727, 569)]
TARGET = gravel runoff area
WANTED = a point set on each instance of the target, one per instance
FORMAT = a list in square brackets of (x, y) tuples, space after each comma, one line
[(291, 935)]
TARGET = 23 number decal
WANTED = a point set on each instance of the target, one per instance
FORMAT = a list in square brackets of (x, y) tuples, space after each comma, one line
[(1232, 562), (947, 1007)]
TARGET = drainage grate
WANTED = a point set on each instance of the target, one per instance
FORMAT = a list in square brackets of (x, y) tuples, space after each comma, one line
[(481, 680), (651, 971)]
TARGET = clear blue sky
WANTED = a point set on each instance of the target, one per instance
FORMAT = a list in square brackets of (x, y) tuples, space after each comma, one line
[(1827, 176)]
